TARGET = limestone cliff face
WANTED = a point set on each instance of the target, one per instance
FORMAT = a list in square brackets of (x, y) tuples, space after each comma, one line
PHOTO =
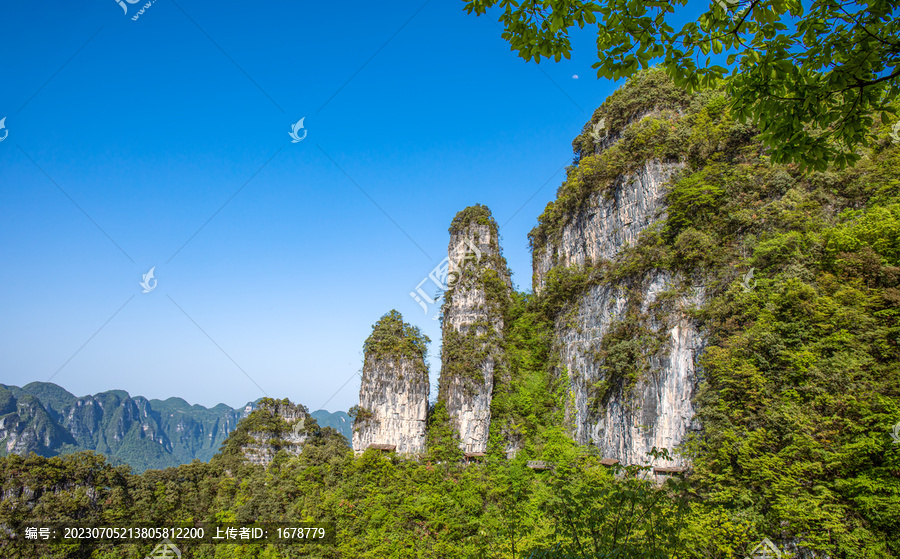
[(624, 417), (604, 226), (657, 410), (393, 396), (25, 427), (479, 288), (275, 425), (394, 400), (145, 433)]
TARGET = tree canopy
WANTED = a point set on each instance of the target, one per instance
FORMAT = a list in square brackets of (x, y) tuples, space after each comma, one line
[(812, 77)]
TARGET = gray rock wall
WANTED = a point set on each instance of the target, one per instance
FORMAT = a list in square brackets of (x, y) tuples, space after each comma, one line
[(266, 444), (657, 411), (602, 229), (395, 392), (262, 451), (472, 318)]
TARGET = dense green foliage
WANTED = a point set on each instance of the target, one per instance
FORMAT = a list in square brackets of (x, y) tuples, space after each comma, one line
[(44, 418), (813, 78), (478, 213), (442, 440), (800, 389), (801, 381), (803, 370), (391, 338), (528, 399), (379, 506)]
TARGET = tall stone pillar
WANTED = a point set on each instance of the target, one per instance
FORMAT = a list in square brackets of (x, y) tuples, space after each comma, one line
[(393, 397), (474, 306)]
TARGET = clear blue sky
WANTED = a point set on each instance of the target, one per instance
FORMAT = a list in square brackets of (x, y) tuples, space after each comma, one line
[(126, 138)]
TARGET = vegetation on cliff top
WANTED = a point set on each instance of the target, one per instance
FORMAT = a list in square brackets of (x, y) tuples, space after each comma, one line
[(391, 338), (650, 119), (647, 92), (478, 213), (264, 425)]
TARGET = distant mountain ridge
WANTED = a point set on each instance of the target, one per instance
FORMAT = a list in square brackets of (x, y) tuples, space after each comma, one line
[(45, 418), (339, 420)]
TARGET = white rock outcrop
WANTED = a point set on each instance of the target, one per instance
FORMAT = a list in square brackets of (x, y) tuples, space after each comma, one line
[(395, 392), (605, 226), (657, 411), (472, 325), (265, 444)]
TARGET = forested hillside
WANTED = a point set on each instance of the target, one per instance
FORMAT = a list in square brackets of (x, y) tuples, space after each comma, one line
[(798, 388), (44, 418)]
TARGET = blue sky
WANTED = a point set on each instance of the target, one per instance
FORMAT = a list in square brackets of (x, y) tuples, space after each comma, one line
[(163, 142)]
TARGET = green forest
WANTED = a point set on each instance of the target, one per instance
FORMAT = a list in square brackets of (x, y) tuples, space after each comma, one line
[(800, 387)]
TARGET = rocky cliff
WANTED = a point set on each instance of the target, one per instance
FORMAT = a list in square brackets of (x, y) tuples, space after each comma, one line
[(626, 343), (607, 222), (393, 396), (48, 420), (472, 325), (25, 426), (631, 371), (275, 425)]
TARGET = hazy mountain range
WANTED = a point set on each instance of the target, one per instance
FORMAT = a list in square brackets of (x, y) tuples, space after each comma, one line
[(45, 418)]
